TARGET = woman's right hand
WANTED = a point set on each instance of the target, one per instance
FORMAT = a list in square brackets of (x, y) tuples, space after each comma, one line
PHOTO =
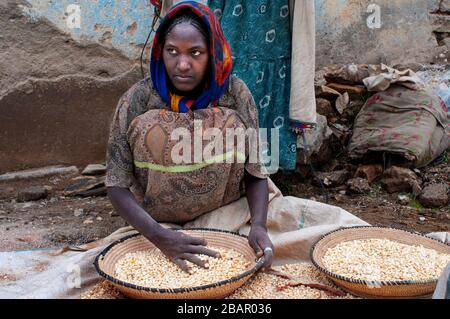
[(181, 248)]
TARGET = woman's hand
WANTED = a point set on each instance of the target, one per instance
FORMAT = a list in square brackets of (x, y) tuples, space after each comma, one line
[(259, 240), (180, 248)]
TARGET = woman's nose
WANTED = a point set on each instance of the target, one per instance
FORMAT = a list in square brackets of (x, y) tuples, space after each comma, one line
[(184, 64)]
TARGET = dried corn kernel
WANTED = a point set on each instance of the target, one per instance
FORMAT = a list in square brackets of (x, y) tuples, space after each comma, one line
[(153, 269), (103, 290), (261, 286), (384, 260), (265, 286)]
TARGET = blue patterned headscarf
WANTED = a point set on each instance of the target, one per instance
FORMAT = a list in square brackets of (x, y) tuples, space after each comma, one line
[(220, 55)]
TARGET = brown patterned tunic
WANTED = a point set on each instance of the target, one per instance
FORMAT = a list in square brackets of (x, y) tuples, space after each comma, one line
[(140, 153)]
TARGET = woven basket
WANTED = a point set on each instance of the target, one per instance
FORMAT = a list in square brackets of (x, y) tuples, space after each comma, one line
[(106, 261), (384, 289)]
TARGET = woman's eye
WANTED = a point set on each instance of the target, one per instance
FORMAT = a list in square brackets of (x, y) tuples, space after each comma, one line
[(196, 53), (172, 51)]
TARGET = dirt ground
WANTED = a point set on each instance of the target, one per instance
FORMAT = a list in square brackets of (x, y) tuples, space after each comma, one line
[(57, 221), (54, 222), (378, 207)]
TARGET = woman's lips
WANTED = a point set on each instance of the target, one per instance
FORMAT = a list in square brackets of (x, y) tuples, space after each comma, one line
[(181, 78)]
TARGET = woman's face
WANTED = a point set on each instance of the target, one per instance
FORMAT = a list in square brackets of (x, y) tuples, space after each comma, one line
[(186, 57)]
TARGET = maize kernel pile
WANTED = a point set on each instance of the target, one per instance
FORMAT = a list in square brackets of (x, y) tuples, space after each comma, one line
[(103, 290), (154, 270), (265, 286), (384, 260), (261, 286)]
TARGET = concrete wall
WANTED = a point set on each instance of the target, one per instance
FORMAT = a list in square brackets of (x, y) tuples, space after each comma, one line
[(343, 34), (60, 81), (57, 95), (121, 24)]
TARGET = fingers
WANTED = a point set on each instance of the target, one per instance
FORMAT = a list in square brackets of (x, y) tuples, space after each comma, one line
[(196, 260), (268, 258), (262, 245), (256, 248), (267, 248), (182, 262), (196, 245), (196, 241), (183, 265), (200, 250), (191, 247)]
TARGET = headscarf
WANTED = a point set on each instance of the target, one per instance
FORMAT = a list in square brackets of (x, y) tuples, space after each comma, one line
[(220, 61), (156, 3), (161, 6)]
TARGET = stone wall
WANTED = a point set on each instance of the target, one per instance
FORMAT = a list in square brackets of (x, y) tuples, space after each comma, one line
[(373, 31), (440, 20)]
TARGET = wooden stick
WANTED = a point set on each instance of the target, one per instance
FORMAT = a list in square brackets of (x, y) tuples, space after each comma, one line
[(297, 281)]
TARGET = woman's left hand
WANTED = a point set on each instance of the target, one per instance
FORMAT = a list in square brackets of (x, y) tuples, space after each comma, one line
[(259, 240)]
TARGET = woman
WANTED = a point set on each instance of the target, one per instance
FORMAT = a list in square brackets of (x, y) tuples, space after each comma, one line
[(190, 83)]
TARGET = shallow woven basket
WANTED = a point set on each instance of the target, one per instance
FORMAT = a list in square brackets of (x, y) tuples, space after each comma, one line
[(384, 289), (107, 259)]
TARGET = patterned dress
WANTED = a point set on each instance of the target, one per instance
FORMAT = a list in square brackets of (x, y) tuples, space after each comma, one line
[(260, 40), (140, 153)]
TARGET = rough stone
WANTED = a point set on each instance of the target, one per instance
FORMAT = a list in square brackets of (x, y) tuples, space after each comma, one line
[(342, 103), (6, 192), (433, 5), (351, 90), (340, 198), (445, 6), (369, 172), (349, 74), (446, 42), (441, 54), (319, 149), (332, 179), (413, 66), (358, 186), (400, 179), (324, 107), (32, 194), (325, 92), (88, 221), (404, 200), (332, 165), (440, 22), (78, 212), (94, 169), (86, 186), (342, 132), (435, 195), (38, 173)]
